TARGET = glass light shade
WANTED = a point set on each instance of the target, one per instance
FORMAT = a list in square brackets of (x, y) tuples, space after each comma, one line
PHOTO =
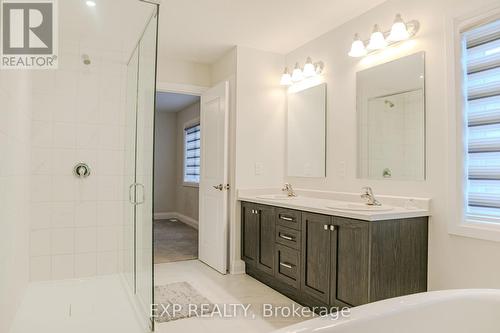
[(357, 48), (91, 3), (399, 30), (377, 40), (297, 74), (286, 78), (309, 69)]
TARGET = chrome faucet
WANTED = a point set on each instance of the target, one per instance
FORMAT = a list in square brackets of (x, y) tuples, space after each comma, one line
[(369, 197), (289, 190)]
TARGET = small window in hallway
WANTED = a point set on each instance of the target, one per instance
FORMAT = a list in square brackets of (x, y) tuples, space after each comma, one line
[(481, 61), (192, 154)]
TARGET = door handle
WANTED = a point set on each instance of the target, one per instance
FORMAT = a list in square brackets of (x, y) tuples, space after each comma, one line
[(219, 187)]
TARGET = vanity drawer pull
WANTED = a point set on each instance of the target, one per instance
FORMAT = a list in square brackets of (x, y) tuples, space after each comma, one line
[(289, 238), (284, 264), (286, 218)]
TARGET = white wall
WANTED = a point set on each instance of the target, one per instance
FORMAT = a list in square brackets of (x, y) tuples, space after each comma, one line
[(259, 137), (78, 116), (15, 125), (183, 72), (165, 177), (454, 262), (260, 119)]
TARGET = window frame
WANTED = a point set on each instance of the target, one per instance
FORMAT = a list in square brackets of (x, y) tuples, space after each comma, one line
[(188, 124), (459, 223)]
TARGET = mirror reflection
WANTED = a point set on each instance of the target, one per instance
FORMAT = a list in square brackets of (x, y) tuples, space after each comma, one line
[(306, 144), (391, 120)]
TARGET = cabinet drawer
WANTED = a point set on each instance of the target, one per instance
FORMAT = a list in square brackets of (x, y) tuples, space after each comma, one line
[(287, 265), (288, 218), (288, 237)]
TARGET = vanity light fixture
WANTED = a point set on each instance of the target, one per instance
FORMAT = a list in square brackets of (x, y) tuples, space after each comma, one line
[(357, 48), (377, 39), (297, 74), (400, 31), (286, 78), (310, 71)]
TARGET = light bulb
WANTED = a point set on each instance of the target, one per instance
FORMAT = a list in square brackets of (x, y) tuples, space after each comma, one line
[(377, 39), (286, 78), (91, 3), (399, 31), (357, 48), (309, 69), (297, 74)]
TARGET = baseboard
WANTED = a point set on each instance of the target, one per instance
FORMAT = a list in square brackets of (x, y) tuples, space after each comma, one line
[(237, 267), (175, 215)]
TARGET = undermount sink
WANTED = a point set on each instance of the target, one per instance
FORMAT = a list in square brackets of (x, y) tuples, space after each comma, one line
[(358, 207), (275, 197)]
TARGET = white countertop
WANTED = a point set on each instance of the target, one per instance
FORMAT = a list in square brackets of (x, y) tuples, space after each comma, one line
[(318, 202)]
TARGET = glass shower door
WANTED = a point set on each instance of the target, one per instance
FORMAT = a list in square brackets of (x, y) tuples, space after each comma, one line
[(139, 147), (144, 166)]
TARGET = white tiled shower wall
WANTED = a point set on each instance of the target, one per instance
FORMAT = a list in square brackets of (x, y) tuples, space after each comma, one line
[(78, 116), (15, 124)]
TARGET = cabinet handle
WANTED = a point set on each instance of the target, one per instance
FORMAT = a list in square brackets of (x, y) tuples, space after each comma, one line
[(284, 264), (325, 227), (287, 237), (332, 228), (286, 218)]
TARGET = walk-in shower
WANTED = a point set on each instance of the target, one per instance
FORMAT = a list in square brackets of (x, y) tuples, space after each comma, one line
[(78, 238)]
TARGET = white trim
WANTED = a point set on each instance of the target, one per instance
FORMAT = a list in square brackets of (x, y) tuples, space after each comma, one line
[(180, 88), (237, 267), (175, 215), (458, 223)]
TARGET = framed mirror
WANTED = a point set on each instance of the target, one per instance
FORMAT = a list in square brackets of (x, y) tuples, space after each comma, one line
[(391, 120), (306, 132)]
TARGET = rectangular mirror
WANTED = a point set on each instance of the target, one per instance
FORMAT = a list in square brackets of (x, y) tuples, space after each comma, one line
[(306, 133), (391, 120)]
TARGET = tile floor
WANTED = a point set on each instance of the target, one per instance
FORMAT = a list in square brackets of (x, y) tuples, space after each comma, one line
[(101, 305), (223, 289)]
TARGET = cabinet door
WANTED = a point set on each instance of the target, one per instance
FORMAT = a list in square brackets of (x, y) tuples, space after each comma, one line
[(350, 251), (249, 233), (266, 238), (316, 254)]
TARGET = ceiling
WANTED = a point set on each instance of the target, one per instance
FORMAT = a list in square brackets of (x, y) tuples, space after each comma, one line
[(204, 30), (112, 25), (170, 102)]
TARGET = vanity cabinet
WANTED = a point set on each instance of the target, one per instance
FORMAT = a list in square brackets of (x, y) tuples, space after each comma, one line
[(258, 231), (322, 260)]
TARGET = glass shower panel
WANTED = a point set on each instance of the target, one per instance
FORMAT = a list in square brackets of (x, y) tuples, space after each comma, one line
[(144, 166), (128, 250)]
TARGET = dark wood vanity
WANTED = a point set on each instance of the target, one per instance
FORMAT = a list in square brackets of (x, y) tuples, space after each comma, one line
[(329, 261)]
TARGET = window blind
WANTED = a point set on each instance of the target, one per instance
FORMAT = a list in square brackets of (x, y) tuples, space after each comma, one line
[(482, 84), (192, 154)]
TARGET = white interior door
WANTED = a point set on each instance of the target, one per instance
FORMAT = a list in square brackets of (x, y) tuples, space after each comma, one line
[(213, 218)]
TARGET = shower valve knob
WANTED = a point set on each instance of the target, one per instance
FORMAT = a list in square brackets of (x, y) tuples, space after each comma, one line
[(82, 170)]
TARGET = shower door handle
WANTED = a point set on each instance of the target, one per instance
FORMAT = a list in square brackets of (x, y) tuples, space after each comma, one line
[(143, 194), (130, 198)]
